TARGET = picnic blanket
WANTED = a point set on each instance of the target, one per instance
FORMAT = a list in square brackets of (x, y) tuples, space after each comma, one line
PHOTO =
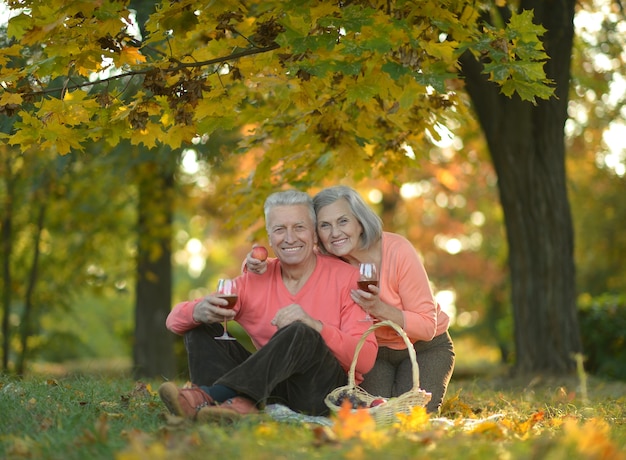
[(282, 413)]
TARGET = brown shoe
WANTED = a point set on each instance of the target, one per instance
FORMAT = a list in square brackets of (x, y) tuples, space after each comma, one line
[(229, 411), (184, 402)]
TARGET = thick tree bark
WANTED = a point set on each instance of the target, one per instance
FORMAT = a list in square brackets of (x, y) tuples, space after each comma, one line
[(527, 147), (153, 349)]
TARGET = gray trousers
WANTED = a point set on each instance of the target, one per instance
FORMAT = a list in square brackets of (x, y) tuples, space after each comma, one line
[(392, 375)]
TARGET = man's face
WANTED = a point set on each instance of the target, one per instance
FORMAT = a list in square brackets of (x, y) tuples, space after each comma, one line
[(291, 233)]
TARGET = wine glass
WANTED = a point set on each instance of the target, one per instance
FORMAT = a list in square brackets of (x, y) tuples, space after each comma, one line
[(227, 289), (368, 276)]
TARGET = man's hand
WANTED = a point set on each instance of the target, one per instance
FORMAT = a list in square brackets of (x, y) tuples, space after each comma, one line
[(292, 313), (211, 310)]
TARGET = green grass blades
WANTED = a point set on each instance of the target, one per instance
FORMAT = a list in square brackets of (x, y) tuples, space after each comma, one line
[(118, 418)]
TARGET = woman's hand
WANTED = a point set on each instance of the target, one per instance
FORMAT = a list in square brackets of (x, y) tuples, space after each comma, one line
[(372, 304), (368, 301)]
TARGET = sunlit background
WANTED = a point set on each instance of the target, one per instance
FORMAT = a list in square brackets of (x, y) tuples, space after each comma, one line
[(436, 208)]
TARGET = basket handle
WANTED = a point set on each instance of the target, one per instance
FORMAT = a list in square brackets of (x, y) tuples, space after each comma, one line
[(401, 333)]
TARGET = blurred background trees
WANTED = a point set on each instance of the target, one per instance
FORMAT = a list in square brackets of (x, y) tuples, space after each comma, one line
[(70, 223)]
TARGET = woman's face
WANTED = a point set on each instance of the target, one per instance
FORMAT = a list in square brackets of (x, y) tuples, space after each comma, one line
[(338, 229)]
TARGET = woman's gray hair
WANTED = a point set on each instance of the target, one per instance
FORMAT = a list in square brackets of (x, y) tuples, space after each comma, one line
[(288, 198), (370, 221)]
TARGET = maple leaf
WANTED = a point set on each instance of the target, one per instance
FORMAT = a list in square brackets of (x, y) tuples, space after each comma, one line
[(522, 428), (131, 56), (490, 428), (178, 135), (10, 98), (416, 420), (351, 423)]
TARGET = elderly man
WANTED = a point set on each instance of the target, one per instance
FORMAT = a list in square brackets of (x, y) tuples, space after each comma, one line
[(299, 315)]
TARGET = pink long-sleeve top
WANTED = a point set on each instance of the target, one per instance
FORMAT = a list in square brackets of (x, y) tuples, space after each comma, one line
[(325, 297), (404, 285)]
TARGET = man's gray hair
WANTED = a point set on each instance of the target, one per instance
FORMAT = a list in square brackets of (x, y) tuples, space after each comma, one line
[(288, 198)]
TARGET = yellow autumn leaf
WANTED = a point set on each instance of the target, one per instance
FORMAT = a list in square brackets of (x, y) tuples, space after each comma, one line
[(375, 438), (177, 135), (130, 55), (147, 136), (522, 428), (324, 9), (417, 420), (10, 98), (61, 146), (441, 50), (469, 14), (266, 431), (78, 107), (490, 428), (73, 110), (88, 63), (37, 34)]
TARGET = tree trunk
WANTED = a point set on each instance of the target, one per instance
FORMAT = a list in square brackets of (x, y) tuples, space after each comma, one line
[(7, 248), (26, 327), (153, 350), (527, 148)]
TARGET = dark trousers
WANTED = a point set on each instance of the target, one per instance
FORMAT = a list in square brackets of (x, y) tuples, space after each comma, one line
[(392, 372), (295, 368)]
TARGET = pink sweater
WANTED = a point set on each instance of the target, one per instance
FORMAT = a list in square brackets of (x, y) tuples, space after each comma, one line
[(404, 285), (261, 296)]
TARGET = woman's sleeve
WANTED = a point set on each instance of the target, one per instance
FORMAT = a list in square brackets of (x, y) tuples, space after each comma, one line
[(418, 303)]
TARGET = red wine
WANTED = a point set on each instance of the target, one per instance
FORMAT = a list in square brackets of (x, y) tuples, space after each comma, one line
[(363, 284), (232, 300)]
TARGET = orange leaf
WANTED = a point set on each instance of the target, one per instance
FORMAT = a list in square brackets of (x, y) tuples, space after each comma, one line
[(351, 423), (131, 55), (592, 439)]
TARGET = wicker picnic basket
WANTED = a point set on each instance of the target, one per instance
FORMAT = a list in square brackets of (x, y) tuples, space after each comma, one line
[(383, 414)]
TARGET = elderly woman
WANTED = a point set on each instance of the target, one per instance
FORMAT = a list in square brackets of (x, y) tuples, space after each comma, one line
[(351, 230)]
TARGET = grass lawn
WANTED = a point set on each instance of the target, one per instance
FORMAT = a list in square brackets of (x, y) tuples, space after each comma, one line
[(98, 416)]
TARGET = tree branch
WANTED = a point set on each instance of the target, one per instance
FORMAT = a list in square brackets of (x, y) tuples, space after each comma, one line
[(179, 66)]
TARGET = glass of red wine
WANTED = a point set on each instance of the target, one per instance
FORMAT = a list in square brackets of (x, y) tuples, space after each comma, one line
[(368, 276), (227, 289)]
